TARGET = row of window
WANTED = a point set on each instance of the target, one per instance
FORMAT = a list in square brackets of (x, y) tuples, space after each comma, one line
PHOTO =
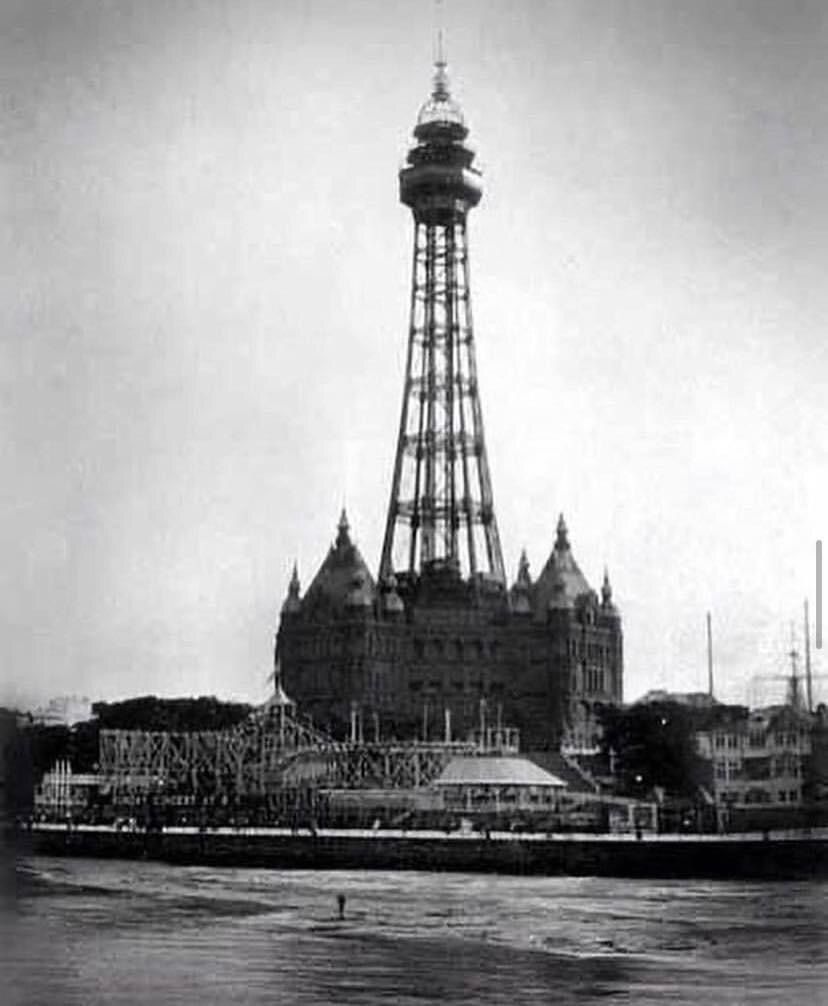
[(593, 680), (437, 686), (390, 646), (765, 768), (726, 740), (728, 769), (506, 795), (761, 796), (456, 649), (790, 739), (788, 796), (759, 739), (592, 651)]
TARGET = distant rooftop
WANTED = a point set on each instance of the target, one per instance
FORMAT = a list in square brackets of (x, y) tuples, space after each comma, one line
[(496, 771), (696, 700), (64, 710)]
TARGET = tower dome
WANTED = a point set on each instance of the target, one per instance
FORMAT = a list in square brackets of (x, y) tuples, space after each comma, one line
[(440, 107)]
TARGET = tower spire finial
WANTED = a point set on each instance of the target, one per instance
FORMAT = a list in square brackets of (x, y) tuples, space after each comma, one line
[(440, 90), (439, 33)]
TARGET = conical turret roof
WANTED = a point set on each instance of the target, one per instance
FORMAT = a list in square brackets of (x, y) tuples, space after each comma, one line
[(343, 568), (293, 601), (561, 578)]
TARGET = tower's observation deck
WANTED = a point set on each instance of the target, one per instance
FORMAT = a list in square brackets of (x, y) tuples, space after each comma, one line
[(438, 182), (441, 510)]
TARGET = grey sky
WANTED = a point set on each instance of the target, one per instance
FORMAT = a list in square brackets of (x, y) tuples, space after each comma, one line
[(205, 280)]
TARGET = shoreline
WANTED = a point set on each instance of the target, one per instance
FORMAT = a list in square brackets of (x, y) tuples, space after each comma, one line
[(774, 855)]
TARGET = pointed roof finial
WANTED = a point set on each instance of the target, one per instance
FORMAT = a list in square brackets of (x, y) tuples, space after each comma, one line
[(342, 537), (440, 108), (440, 89), (523, 578), (293, 601), (606, 588), (562, 536)]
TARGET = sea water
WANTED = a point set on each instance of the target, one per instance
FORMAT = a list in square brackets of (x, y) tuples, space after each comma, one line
[(93, 932)]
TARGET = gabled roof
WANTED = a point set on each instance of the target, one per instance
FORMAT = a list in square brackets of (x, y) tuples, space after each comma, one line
[(495, 771), (780, 717)]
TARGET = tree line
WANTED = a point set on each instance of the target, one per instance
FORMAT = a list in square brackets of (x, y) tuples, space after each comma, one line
[(30, 749)]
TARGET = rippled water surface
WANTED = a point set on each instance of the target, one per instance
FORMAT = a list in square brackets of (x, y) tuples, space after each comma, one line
[(89, 931)]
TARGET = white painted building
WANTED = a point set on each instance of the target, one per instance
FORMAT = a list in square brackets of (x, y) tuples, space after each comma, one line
[(758, 759)]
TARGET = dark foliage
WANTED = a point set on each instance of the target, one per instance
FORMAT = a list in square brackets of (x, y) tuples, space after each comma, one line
[(31, 751), (47, 745), (654, 745), (149, 712), (15, 766)]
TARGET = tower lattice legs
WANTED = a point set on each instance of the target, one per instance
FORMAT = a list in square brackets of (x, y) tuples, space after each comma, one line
[(441, 501)]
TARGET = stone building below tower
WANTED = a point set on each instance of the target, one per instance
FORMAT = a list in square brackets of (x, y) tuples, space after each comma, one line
[(441, 653)]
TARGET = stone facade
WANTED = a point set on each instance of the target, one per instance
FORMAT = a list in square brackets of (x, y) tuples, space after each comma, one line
[(437, 654)]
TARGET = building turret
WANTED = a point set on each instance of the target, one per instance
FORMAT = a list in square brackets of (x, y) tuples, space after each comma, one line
[(360, 596), (293, 601), (519, 594), (392, 603), (607, 606), (280, 698)]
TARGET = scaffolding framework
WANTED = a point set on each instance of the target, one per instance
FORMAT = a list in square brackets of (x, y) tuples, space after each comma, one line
[(270, 754), (248, 760)]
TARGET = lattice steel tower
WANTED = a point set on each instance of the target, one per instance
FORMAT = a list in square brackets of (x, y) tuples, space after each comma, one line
[(441, 509)]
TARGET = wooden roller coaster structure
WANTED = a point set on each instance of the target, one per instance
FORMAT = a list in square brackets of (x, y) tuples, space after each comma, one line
[(272, 751)]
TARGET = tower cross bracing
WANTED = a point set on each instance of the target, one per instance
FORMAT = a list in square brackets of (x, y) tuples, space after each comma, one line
[(441, 506)]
